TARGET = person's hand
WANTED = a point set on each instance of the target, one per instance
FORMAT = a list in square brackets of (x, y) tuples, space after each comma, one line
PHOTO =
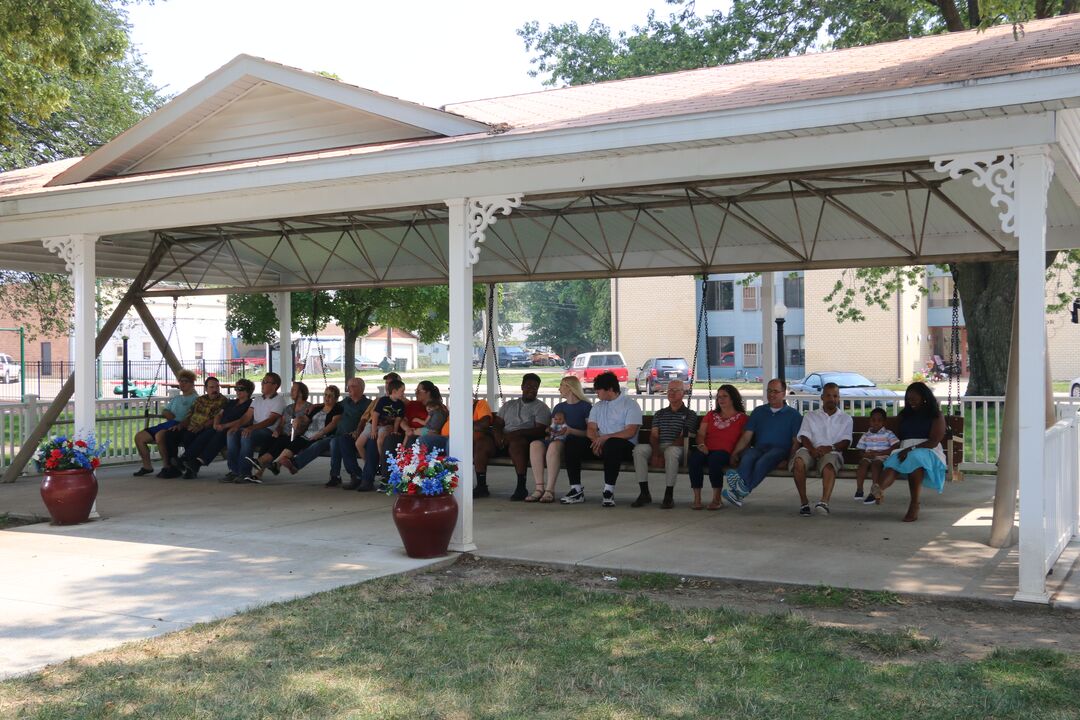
[(562, 432), (276, 434), (598, 444), (245, 432), (903, 454)]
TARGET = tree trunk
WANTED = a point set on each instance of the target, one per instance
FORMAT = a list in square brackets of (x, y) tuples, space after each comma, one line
[(349, 356), (987, 295)]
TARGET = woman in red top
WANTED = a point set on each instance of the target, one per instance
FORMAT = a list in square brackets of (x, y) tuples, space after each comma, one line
[(720, 429)]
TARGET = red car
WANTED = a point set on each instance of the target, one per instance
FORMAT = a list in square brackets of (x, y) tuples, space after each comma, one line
[(587, 366), (255, 357)]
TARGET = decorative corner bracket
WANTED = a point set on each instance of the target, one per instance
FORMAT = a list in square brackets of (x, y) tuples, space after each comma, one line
[(63, 247), (992, 170), (480, 216)]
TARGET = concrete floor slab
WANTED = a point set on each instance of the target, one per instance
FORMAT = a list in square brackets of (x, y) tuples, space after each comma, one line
[(169, 553)]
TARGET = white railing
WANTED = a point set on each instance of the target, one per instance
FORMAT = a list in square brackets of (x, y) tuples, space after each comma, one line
[(1061, 489)]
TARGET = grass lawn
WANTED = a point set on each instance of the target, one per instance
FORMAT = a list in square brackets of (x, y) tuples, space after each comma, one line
[(414, 647)]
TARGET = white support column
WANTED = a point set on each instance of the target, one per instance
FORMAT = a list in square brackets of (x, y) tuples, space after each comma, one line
[(461, 319), (80, 255), (491, 357), (1033, 169), (469, 219), (283, 303), (768, 331)]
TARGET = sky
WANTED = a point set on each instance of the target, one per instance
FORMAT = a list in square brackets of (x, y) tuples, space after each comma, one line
[(426, 51)]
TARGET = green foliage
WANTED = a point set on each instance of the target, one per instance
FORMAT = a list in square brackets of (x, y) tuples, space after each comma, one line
[(40, 303), (1063, 280), (874, 287), (47, 47), (827, 596), (570, 316)]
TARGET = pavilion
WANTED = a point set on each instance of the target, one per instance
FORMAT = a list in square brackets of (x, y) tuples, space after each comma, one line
[(264, 178)]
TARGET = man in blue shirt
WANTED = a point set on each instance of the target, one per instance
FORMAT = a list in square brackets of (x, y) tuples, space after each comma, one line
[(767, 439)]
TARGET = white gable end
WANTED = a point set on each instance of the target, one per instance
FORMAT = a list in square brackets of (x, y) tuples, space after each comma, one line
[(269, 120)]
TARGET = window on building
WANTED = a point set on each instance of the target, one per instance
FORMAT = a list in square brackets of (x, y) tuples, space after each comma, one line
[(722, 350), (120, 351), (751, 353), (720, 295), (750, 294), (198, 351), (793, 291), (146, 350), (940, 291), (793, 345)]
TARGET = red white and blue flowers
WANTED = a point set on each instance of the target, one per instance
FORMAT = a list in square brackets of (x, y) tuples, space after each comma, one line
[(419, 471), (65, 453)]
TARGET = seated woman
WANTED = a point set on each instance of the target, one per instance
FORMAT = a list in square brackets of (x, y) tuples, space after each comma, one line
[(717, 435), (920, 457), (176, 410), (320, 432), (289, 427), (437, 416), (575, 410)]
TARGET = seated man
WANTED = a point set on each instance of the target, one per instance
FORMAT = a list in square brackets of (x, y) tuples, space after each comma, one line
[(206, 445), (483, 443), (201, 418), (520, 421), (665, 449), (176, 409), (265, 411), (612, 431), (768, 439), (343, 447), (823, 436)]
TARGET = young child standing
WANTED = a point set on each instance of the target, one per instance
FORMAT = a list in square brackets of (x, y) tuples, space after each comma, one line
[(876, 444)]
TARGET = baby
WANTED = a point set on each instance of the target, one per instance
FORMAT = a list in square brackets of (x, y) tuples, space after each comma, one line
[(876, 444), (557, 430)]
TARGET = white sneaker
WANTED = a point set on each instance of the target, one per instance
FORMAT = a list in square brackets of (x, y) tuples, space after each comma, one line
[(609, 499), (575, 496), (822, 508)]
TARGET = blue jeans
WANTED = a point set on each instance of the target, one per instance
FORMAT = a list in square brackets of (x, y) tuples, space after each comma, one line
[(313, 451), (756, 463), (439, 442), (241, 447), (715, 460)]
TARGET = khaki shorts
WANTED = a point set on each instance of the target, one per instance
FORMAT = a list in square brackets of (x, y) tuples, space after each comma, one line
[(814, 465)]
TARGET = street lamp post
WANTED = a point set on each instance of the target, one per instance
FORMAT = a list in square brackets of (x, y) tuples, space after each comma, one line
[(780, 313)]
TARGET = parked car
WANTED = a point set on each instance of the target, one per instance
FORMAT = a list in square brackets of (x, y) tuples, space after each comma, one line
[(544, 357), (1074, 389), (336, 365), (655, 374), (851, 385), (252, 357), (587, 366), (513, 357), (9, 368)]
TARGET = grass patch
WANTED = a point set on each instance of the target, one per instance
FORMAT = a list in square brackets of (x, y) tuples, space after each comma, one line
[(407, 647), (827, 596), (896, 644), (648, 581)]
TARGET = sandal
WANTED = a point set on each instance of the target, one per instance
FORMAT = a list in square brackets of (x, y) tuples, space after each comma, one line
[(535, 496), (696, 506), (547, 497), (715, 505)]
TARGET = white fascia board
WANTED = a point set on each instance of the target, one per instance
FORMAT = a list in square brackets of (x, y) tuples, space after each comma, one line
[(527, 147), (305, 189), (242, 66)]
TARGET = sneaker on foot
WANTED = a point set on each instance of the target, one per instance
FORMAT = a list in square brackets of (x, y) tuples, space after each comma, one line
[(858, 494), (575, 496), (642, 500), (668, 503), (609, 499), (481, 491), (230, 477), (732, 480), (731, 498), (334, 481), (822, 508), (142, 471), (869, 499), (253, 479), (274, 467), (804, 511), (519, 494), (254, 462), (366, 486)]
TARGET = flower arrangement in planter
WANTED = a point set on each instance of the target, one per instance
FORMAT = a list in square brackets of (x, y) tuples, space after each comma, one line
[(64, 453), (69, 487), (425, 511), (416, 471)]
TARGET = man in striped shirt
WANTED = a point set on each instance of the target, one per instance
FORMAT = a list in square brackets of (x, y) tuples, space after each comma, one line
[(665, 449)]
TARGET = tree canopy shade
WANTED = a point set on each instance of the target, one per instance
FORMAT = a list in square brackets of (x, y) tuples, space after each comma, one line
[(760, 29), (570, 316)]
